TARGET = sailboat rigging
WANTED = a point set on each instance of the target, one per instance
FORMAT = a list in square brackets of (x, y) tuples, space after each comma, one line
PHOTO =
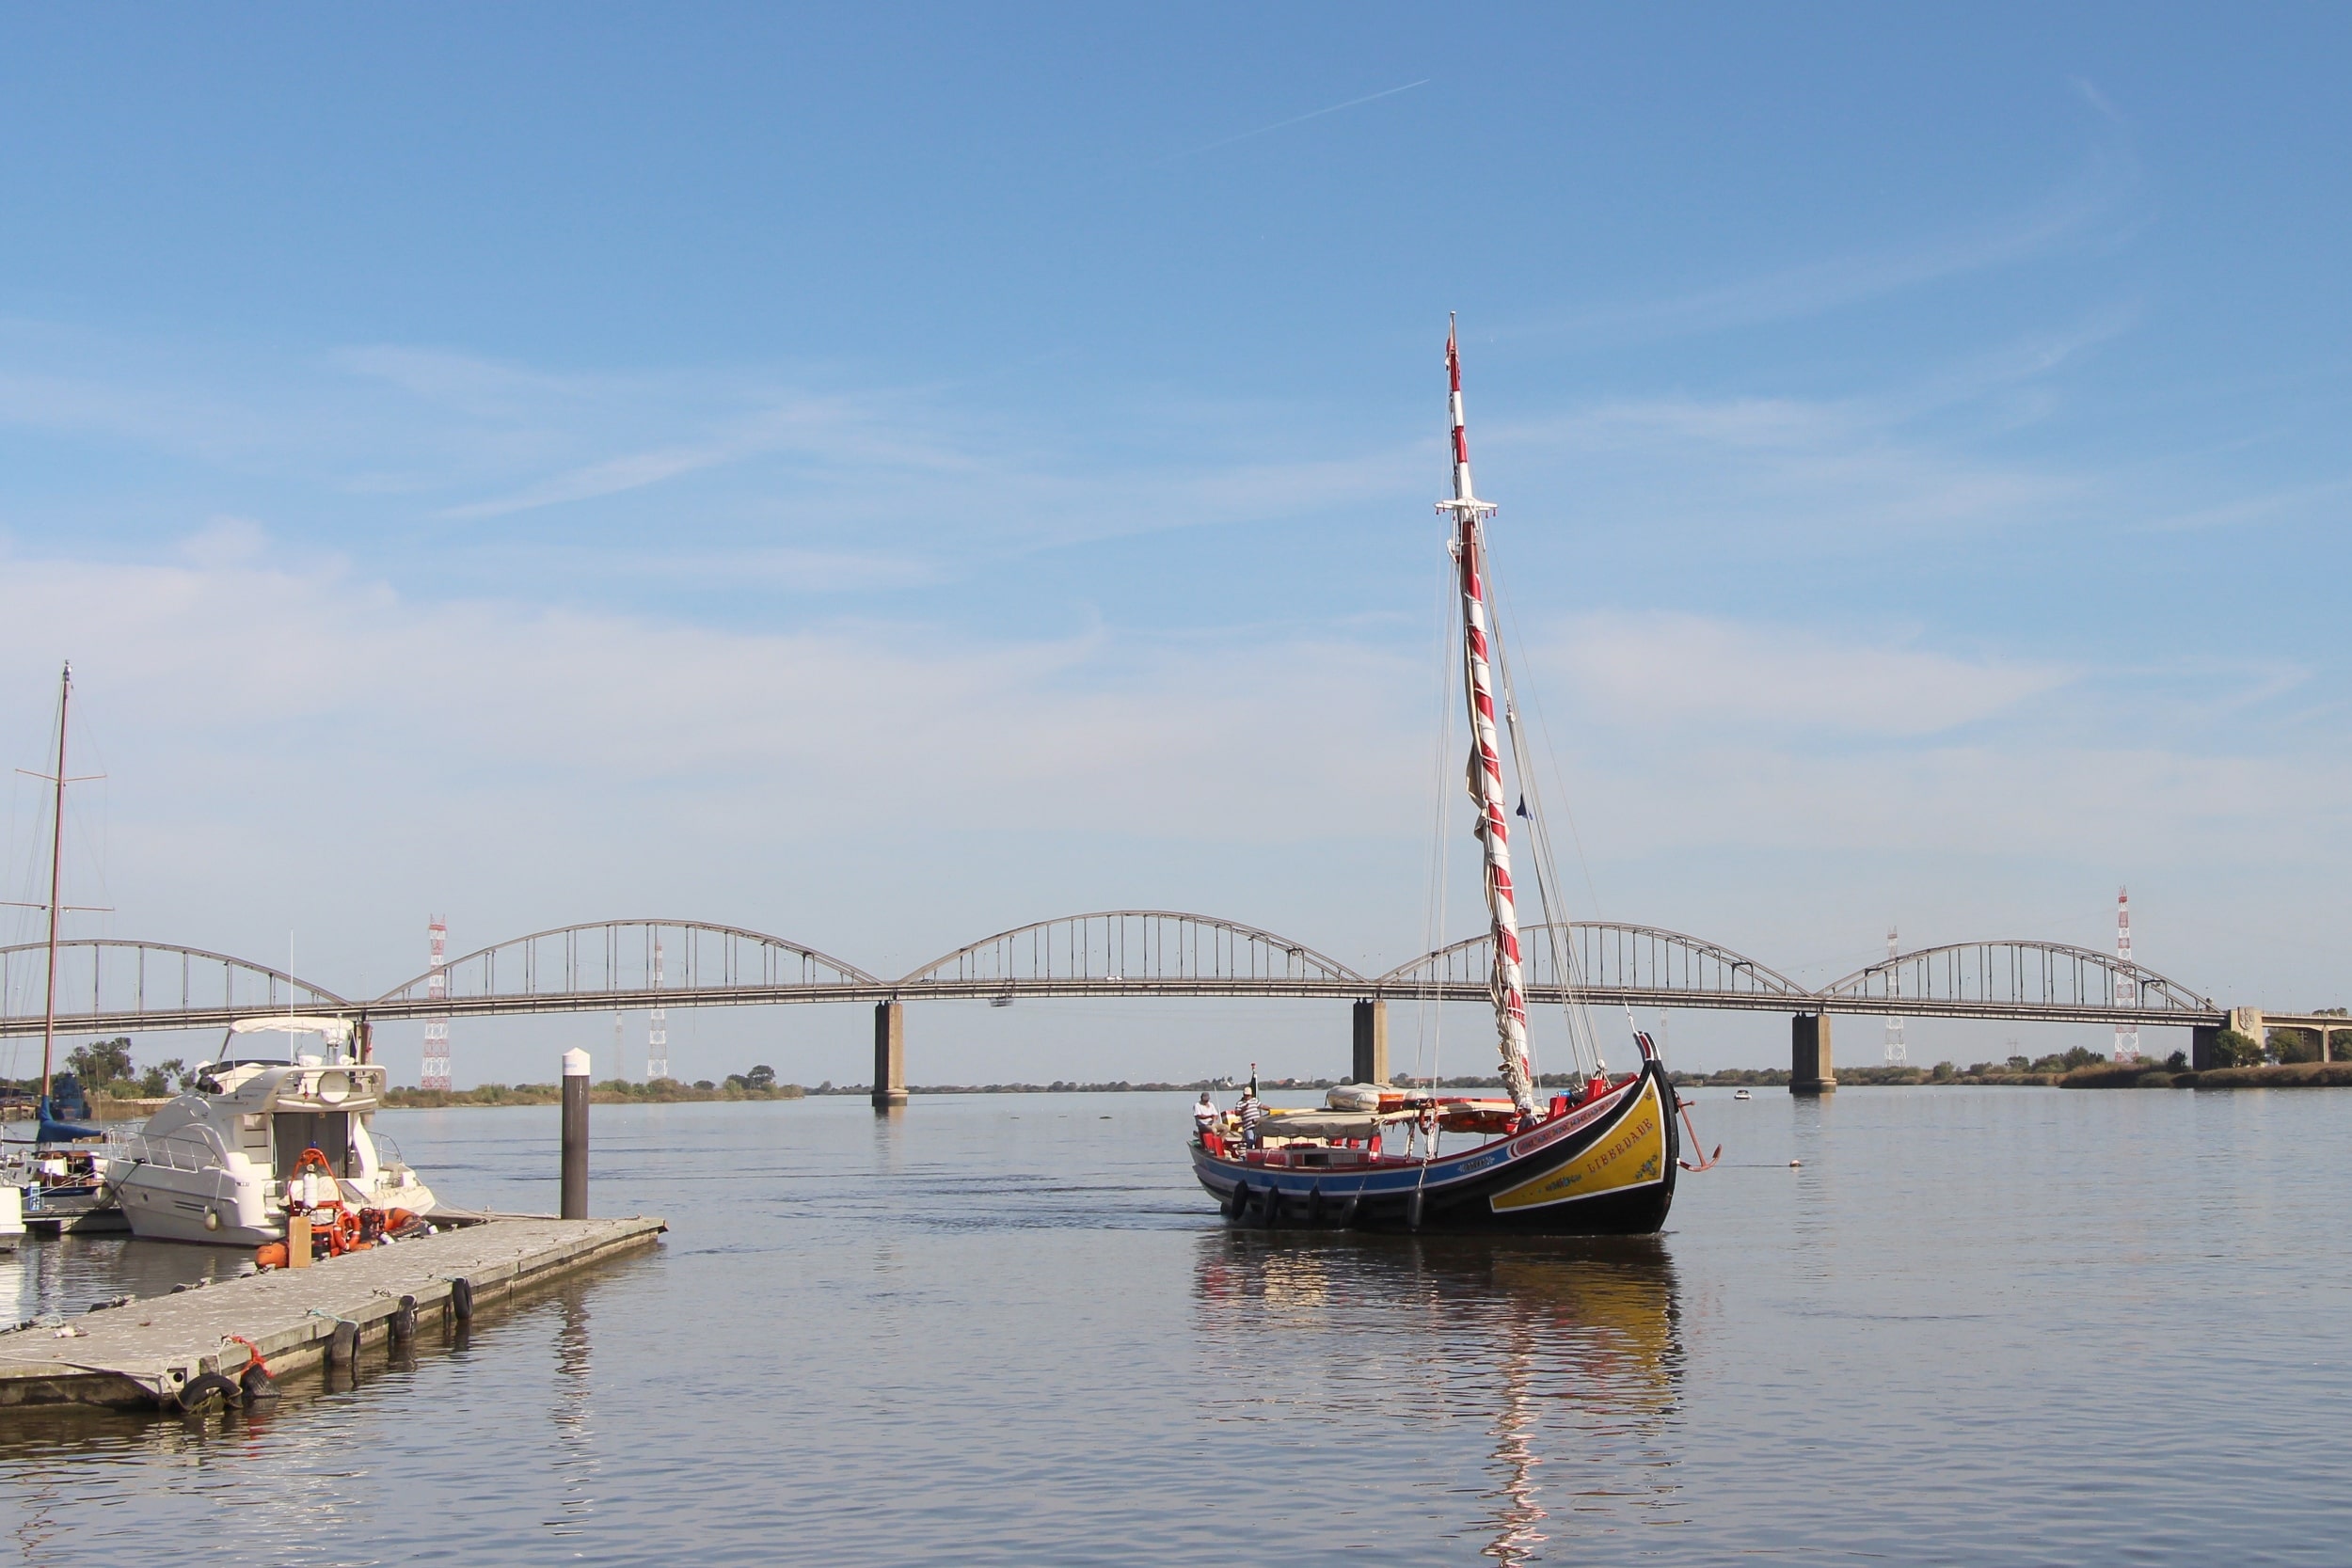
[(1601, 1159)]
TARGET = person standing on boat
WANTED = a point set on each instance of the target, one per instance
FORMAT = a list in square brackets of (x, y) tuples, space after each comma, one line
[(1252, 1111), (1205, 1118)]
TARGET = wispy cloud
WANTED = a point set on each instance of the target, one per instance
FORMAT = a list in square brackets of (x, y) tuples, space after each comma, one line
[(2293, 502), (1294, 119), (1658, 672), (2094, 206)]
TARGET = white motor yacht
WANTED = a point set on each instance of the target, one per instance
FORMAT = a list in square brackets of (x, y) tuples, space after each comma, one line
[(219, 1163)]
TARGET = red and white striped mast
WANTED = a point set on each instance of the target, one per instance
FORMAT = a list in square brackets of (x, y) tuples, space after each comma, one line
[(1486, 770)]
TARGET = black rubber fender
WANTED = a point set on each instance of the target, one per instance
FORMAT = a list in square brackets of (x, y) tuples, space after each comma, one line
[(404, 1321), (199, 1393), (461, 1298), (256, 1384), (1271, 1214), (1314, 1203), (1239, 1204), (343, 1346)]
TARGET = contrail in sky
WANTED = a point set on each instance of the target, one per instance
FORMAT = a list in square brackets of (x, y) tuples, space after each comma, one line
[(1295, 120)]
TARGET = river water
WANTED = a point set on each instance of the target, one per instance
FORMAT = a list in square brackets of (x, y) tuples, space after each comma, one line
[(1981, 1326)]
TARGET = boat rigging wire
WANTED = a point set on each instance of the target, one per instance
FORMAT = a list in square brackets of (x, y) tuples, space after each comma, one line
[(1429, 1015), (1576, 837), (1583, 1037)]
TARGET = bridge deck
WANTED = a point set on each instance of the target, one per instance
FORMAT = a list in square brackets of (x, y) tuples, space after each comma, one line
[(125, 1355)]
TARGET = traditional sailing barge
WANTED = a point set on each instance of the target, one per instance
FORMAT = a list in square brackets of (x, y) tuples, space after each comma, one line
[(1601, 1160)]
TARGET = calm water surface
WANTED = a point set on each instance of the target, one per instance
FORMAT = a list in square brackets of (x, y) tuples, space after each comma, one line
[(1976, 1327)]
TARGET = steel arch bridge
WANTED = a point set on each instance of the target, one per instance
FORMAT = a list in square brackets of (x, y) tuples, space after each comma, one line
[(1133, 953), (106, 984), (2034, 981), (121, 986), (1605, 963)]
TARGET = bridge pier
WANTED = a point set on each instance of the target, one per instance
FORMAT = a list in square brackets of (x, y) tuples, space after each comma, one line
[(1809, 1069), (2204, 1047), (890, 1056), (1372, 1041)]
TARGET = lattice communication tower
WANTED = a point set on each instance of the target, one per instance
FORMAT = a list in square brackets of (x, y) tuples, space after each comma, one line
[(435, 1072), (2126, 994), (1897, 1055), (656, 1029)]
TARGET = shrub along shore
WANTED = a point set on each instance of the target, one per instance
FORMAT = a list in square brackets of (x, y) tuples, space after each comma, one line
[(612, 1091)]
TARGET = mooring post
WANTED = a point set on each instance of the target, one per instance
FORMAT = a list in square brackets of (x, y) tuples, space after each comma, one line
[(1372, 1041), (890, 1056), (1809, 1070), (575, 1135)]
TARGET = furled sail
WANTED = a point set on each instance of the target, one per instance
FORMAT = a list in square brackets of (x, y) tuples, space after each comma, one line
[(1486, 763)]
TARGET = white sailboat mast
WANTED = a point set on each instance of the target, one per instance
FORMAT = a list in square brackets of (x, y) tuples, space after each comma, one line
[(1486, 763), (57, 884)]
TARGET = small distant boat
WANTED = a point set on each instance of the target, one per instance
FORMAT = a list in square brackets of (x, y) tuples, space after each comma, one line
[(261, 1137), (1741, 1094)]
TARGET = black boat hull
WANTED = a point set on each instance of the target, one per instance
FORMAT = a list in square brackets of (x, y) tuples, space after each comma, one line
[(1607, 1169)]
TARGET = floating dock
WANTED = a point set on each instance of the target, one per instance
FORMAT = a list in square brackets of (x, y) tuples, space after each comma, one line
[(143, 1354)]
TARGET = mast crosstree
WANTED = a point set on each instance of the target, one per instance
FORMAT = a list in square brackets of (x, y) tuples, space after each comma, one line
[(1507, 982)]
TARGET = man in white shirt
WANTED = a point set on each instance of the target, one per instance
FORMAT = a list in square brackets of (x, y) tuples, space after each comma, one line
[(1206, 1117)]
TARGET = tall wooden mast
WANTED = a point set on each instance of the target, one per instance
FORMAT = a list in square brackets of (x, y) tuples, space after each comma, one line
[(1486, 763)]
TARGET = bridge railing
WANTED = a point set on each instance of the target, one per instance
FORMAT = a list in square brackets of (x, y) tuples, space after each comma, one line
[(2047, 977), (1600, 955), (106, 983), (1148, 949), (618, 958)]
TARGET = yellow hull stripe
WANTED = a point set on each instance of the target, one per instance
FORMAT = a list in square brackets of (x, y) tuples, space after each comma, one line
[(1632, 1155)]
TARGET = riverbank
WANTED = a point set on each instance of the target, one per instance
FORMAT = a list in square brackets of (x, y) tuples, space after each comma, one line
[(612, 1091), (2287, 1075)]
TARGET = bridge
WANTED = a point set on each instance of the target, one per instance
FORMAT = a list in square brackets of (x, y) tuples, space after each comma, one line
[(116, 985)]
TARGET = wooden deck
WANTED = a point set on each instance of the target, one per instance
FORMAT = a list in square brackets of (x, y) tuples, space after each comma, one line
[(139, 1355)]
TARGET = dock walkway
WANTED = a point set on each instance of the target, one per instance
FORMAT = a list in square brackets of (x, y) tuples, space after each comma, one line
[(142, 1352)]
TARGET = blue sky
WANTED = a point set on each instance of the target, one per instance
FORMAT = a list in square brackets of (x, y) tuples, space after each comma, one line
[(884, 476)]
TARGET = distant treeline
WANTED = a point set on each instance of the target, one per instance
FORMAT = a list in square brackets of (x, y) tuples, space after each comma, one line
[(758, 1083)]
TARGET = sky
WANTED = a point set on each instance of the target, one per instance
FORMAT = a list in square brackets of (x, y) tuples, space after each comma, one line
[(884, 476)]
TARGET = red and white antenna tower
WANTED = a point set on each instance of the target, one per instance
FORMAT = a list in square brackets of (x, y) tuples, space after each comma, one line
[(658, 1031), (436, 1073), (1897, 1054), (2126, 991)]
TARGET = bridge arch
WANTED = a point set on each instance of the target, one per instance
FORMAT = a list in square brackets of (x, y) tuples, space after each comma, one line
[(111, 983), (614, 960), (2015, 973), (1139, 951), (1605, 955)]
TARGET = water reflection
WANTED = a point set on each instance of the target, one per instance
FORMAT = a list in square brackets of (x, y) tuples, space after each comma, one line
[(575, 1460), (62, 1275), (1565, 1350)]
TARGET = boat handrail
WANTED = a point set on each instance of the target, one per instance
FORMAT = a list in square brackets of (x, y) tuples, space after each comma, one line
[(168, 1150)]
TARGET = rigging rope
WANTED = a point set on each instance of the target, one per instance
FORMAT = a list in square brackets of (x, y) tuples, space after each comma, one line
[(1584, 1040)]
